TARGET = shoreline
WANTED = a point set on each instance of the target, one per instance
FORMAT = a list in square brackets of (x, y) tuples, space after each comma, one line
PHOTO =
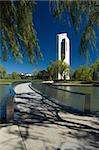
[(71, 84)]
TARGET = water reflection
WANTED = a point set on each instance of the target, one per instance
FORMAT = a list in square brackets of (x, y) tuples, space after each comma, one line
[(74, 100), (4, 89)]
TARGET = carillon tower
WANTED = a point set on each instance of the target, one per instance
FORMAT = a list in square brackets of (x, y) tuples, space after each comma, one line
[(63, 51)]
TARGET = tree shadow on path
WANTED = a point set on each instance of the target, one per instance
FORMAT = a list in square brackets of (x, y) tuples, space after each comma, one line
[(34, 109)]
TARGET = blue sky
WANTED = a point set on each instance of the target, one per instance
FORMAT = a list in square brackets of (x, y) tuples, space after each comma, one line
[(47, 28)]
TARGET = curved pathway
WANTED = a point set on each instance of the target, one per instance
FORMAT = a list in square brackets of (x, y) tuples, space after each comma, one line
[(42, 124)]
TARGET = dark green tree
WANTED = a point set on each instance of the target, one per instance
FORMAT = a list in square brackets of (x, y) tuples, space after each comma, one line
[(2, 72), (95, 69), (83, 73), (15, 76), (43, 74)]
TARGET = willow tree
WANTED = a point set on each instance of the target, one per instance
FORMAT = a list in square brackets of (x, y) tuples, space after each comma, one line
[(95, 69), (80, 13), (57, 67), (2, 72), (17, 34)]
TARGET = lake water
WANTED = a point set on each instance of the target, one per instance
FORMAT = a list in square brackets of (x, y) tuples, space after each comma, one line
[(75, 101), (4, 91)]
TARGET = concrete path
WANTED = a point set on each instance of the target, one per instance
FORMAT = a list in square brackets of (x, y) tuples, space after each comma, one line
[(41, 124)]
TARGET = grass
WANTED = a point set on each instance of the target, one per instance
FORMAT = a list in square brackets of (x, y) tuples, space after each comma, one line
[(79, 82), (73, 82), (10, 81)]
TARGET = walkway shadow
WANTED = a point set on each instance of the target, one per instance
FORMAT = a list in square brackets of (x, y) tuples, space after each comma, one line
[(35, 109), (39, 110)]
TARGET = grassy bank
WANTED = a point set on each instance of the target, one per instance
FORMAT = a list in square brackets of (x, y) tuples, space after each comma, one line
[(70, 82), (10, 81), (79, 82), (73, 82)]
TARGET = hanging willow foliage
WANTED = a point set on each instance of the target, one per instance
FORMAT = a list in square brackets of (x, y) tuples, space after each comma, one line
[(17, 33), (77, 11), (18, 36)]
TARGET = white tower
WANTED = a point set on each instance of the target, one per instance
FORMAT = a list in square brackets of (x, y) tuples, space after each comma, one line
[(63, 51)]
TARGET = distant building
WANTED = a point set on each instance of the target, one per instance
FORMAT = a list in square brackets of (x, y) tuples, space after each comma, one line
[(22, 73), (63, 51), (26, 74)]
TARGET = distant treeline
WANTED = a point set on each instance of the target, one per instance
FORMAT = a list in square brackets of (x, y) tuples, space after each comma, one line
[(83, 73)]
